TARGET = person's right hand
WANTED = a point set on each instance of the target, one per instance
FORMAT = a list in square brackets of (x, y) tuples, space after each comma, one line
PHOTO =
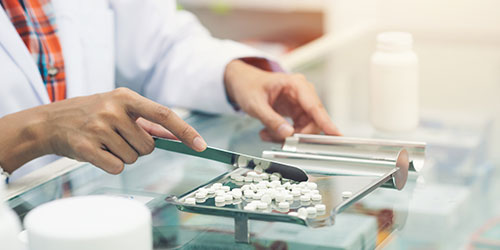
[(108, 129)]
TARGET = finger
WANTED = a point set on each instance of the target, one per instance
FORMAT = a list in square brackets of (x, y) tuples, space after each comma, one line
[(135, 136), (106, 161), (117, 145), (155, 129), (274, 122), (312, 105), (266, 135), (311, 128), (165, 117)]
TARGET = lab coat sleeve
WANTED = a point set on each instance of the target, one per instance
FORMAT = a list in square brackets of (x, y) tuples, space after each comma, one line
[(168, 56)]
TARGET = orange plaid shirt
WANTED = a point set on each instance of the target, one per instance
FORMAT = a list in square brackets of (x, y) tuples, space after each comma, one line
[(34, 20)]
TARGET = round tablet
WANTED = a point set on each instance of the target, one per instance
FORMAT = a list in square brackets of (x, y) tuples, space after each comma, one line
[(239, 178), (302, 212), (220, 204), (305, 197), (257, 195), (295, 192), (287, 185), (305, 191), (266, 198), (200, 195), (252, 174), (225, 188), (228, 197), (284, 205), (274, 177), (320, 207), (312, 185), (261, 205), (314, 191), (288, 197), (258, 169), (264, 176), (245, 187), (219, 199), (250, 207), (346, 194), (210, 191), (293, 214), (279, 197), (248, 193), (248, 179), (220, 192), (217, 185), (275, 183), (191, 201), (316, 197), (237, 195)]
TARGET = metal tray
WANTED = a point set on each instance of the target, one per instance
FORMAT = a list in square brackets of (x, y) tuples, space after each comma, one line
[(330, 187)]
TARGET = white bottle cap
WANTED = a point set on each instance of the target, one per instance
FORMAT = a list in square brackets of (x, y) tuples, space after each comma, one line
[(90, 222), (394, 41)]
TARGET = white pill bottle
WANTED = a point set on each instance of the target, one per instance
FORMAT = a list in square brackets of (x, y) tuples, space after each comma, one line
[(394, 83)]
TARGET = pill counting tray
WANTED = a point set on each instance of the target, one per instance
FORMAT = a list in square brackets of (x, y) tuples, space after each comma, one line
[(332, 188)]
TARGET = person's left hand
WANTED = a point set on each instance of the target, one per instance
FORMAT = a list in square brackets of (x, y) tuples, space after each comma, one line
[(270, 97)]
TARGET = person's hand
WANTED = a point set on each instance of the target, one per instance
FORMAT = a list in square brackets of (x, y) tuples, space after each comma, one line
[(270, 97), (107, 129)]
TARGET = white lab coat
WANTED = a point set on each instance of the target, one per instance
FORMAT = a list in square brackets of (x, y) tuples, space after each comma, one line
[(152, 48)]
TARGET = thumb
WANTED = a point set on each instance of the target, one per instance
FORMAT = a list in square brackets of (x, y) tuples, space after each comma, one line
[(274, 122)]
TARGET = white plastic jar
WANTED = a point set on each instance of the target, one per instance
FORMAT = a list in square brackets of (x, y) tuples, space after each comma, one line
[(394, 83)]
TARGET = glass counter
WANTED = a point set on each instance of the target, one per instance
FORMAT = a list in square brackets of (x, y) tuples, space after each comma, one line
[(454, 203)]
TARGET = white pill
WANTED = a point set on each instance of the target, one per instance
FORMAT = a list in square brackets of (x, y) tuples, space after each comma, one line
[(302, 184), (239, 190), (274, 177), (288, 197), (264, 176), (257, 196), (275, 184), (316, 197), (237, 195), (258, 169), (220, 204), (252, 174), (239, 178), (266, 198), (219, 199), (314, 192), (302, 212), (191, 201), (261, 205), (261, 185), (225, 188), (346, 194), (200, 195), (248, 179), (293, 214), (248, 193), (228, 197), (295, 192), (312, 185), (311, 210), (220, 192), (217, 185), (233, 176), (287, 185), (245, 187), (257, 179), (250, 207), (279, 197), (210, 190), (320, 207), (284, 205), (305, 198), (305, 191)]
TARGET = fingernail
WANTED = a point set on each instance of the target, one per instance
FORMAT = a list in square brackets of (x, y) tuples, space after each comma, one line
[(199, 144), (285, 130)]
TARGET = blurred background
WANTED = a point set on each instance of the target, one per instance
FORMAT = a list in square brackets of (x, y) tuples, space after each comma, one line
[(331, 41)]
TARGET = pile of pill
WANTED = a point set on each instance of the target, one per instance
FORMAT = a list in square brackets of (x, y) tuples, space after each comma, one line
[(263, 192)]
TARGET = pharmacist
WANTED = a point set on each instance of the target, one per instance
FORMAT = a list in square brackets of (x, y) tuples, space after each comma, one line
[(61, 60)]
